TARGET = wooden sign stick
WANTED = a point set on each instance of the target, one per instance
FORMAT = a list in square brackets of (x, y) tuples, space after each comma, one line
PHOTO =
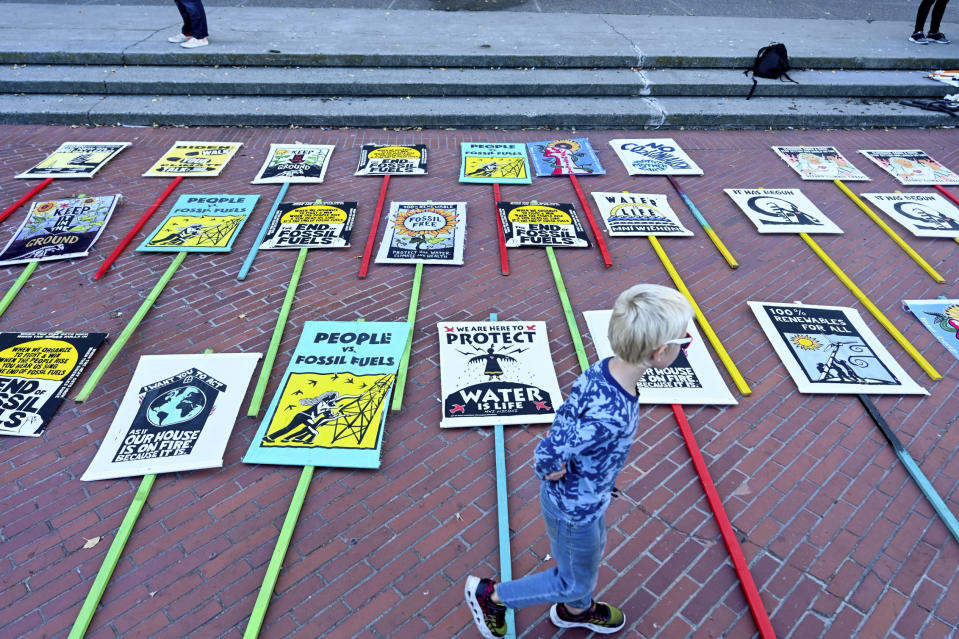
[(913, 469), (136, 228), (26, 198), (701, 319), (503, 258), (17, 285), (756, 608), (718, 243), (901, 243), (588, 212), (886, 324), (248, 262), (400, 385), (131, 326), (368, 250)]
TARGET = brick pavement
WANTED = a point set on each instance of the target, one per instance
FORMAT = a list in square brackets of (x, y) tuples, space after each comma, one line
[(838, 538)]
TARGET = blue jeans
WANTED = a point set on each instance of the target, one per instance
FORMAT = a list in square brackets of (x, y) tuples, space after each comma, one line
[(194, 18), (577, 550)]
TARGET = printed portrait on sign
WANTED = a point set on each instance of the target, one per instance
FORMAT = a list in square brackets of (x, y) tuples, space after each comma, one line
[(569, 156), (392, 159), (819, 163), (499, 162), (526, 224), (194, 159), (912, 167), (295, 163), (75, 160), (829, 349), (424, 232), (924, 214), (654, 156), (297, 225), (781, 211), (638, 214)]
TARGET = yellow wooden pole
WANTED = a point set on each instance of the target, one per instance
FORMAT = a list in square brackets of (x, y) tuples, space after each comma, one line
[(882, 319), (701, 319), (890, 232)]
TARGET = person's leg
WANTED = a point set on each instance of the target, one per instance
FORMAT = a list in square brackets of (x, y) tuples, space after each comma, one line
[(194, 8), (921, 14), (937, 12), (187, 29)]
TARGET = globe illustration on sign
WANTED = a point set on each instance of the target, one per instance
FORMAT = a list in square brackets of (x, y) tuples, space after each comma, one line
[(176, 406)]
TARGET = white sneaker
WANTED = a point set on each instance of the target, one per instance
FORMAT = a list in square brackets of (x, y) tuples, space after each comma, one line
[(178, 38), (193, 43)]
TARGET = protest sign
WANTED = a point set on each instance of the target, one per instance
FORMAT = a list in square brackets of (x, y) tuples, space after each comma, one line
[(541, 224), (570, 156), (424, 233), (194, 159), (924, 214), (59, 229), (638, 214), (829, 349), (330, 407), (819, 163), (176, 415), (912, 167), (36, 371), (496, 373), (298, 225), (941, 317), (654, 156), (75, 160), (781, 211), (201, 223), (294, 163), (494, 163), (392, 159)]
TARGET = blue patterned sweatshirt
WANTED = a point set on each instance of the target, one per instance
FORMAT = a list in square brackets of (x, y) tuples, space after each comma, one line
[(592, 432)]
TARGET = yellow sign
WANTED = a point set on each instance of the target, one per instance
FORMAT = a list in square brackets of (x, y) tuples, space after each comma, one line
[(537, 214), (314, 214), (395, 152), (512, 167), (194, 159), (40, 359), (75, 160)]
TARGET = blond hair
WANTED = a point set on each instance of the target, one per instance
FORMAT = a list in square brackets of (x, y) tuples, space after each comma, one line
[(644, 317)]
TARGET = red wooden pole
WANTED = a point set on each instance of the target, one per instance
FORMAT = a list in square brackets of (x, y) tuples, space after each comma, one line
[(13, 207), (600, 242), (368, 251), (938, 188), (503, 259), (136, 228)]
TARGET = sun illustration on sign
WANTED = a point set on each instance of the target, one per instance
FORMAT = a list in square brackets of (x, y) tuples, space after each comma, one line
[(806, 342), (571, 145), (425, 221)]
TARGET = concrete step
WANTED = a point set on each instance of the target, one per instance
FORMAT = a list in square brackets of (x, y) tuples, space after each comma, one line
[(440, 82), (502, 112)]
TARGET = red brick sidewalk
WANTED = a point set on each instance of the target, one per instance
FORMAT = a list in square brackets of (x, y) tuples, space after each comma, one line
[(839, 539)]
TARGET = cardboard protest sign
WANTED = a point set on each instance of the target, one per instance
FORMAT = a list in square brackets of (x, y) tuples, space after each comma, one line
[(200, 223), (36, 371), (829, 349), (571, 156), (392, 159), (941, 317), (496, 373), (59, 229), (819, 163), (950, 77), (541, 224), (924, 214), (781, 211), (654, 156), (638, 214), (494, 162), (912, 167), (294, 163), (297, 225), (691, 379), (75, 160), (330, 408), (194, 159), (424, 233), (176, 415)]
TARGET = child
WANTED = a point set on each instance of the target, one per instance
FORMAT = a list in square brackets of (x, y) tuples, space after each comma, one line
[(578, 462)]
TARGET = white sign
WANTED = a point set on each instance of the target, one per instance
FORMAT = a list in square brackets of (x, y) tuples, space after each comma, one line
[(638, 214), (781, 211), (654, 156), (924, 214)]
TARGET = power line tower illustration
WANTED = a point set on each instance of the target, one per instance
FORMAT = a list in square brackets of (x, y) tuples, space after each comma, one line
[(212, 236), (357, 415)]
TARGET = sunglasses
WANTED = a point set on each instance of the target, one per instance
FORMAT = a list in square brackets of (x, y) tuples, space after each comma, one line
[(683, 342)]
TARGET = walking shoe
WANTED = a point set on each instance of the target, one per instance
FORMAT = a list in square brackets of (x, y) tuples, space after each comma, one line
[(193, 43), (918, 38), (601, 618), (490, 617), (938, 37), (178, 38)]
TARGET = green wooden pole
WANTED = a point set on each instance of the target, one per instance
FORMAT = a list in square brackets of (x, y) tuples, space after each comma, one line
[(12, 293), (271, 352), (567, 309), (400, 385), (131, 326), (110, 561)]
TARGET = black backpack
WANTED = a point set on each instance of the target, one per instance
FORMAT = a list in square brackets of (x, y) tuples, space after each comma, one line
[(771, 62)]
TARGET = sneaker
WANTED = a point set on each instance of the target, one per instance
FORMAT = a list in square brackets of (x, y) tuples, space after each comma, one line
[(918, 38), (490, 617), (178, 38), (939, 37), (193, 43), (601, 618)]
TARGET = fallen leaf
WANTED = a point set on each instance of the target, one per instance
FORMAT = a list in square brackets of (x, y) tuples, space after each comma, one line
[(90, 543)]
